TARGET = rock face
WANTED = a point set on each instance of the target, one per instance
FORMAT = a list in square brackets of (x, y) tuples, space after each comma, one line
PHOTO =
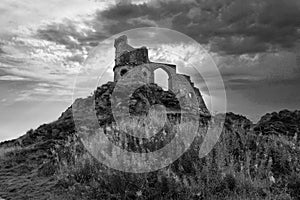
[(249, 161), (140, 102)]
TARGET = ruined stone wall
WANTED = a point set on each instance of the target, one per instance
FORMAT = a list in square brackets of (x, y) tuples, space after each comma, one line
[(121, 46), (134, 57), (134, 64)]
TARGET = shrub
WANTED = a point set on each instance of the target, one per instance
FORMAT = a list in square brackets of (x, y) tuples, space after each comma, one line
[(294, 186), (230, 181)]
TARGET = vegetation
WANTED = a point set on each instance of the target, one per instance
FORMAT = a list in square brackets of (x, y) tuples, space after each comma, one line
[(250, 161)]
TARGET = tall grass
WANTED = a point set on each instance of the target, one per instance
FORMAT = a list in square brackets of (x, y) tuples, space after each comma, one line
[(6, 150), (86, 178)]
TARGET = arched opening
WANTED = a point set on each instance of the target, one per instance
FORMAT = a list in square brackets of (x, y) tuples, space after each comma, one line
[(123, 71), (161, 78)]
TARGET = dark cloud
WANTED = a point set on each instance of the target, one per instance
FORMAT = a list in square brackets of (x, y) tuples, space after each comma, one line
[(127, 11), (120, 17), (76, 58), (231, 26), (238, 45), (67, 34), (60, 33), (156, 10)]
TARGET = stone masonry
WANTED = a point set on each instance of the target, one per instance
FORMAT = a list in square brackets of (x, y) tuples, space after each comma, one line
[(135, 61)]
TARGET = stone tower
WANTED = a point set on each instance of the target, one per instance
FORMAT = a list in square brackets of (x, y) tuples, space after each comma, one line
[(128, 58)]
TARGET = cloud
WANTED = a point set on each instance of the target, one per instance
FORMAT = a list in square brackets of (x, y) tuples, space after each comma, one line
[(34, 69), (120, 17), (1, 51), (104, 23), (231, 27), (74, 34), (47, 42), (12, 78), (267, 67), (45, 91), (44, 43), (33, 13), (39, 59)]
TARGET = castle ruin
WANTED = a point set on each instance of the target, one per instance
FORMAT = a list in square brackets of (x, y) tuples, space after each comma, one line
[(128, 59)]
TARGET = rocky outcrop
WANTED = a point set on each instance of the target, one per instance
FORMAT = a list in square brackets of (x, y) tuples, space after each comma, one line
[(283, 123), (249, 159)]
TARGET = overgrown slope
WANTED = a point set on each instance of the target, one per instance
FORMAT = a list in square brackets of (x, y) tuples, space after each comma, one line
[(249, 161)]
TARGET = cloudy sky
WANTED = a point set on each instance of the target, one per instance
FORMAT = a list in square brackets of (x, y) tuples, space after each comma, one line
[(255, 44)]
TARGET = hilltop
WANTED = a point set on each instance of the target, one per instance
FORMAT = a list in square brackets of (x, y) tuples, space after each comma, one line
[(250, 161)]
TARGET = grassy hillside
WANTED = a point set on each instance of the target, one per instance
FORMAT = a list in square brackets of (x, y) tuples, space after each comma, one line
[(250, 161)]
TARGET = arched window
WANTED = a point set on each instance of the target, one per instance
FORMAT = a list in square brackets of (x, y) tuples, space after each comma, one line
[(123, 71), (161, 78)]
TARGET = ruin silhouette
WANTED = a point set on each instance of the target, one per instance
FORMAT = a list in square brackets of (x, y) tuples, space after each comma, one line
[(135, 61)]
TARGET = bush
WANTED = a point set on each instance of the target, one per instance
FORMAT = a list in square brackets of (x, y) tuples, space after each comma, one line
[(230, 182), (294, 186)]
